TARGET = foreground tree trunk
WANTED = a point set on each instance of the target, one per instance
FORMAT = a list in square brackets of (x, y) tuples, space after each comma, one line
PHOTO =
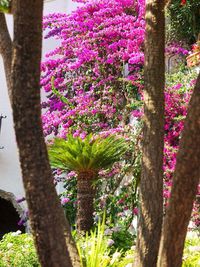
[(85, 196), (45, 212), (151, 184), (184, 188)]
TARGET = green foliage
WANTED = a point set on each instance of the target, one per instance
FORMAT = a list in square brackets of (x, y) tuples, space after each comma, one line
[(184, 76), (184, 21), (192, 252), (59, 95), (17, 250), (94, 250), (119, 205), (118, 198), (86, 155), (70, 208), (123, 240), (118, 194), (5, 6)]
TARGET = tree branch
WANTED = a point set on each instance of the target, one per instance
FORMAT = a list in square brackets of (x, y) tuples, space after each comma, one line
[(6, 50)]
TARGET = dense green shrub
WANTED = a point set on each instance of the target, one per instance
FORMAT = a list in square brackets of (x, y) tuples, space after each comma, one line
[(123, 239), (184, 21), (95, 249), (17, 250), (192, 252)]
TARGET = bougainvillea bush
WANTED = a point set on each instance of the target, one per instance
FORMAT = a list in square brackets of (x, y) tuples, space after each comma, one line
[(122, 204), (177, 96), (93, 75), (93, 81)]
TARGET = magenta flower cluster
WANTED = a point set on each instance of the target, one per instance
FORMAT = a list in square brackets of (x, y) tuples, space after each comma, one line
[(176, 49), (176, 103), (94, 74), (99, 42)]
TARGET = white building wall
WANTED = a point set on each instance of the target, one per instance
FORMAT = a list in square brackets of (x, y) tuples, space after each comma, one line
[(10, 172)]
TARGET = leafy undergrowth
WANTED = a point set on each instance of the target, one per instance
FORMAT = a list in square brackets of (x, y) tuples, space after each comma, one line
[(192, 252), (95, 250), (17, 250)]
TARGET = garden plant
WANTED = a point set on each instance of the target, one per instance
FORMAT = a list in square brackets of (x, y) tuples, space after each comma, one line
[(86, 157), (120, 133)]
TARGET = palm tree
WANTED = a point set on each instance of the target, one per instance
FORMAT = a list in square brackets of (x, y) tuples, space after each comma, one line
[(86, 157)]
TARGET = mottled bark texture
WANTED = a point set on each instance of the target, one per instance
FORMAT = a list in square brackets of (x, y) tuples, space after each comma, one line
[(6, 50), (85, 196), (45, 211), (151, 184), (184, 188)]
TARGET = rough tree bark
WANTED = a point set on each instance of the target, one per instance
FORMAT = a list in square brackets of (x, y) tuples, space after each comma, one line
[(151, 184), (45, 211), (85, 196), (184, 188)]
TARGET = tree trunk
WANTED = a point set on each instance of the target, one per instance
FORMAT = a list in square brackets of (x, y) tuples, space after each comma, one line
[(45, 212), (85, 197), (184, 188), (151, 184)]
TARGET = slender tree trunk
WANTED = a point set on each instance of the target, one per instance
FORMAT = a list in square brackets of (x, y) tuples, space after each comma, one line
[(184, 188), (85, 196), (45, 211), (151, 184)]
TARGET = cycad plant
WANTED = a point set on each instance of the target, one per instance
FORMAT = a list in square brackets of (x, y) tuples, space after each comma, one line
[(86, 157)]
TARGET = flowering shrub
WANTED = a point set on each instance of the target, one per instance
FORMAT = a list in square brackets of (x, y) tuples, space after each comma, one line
[(69, 197), (177, 96), (17, 250), (119, 239), (94, 82), (95, 250), (176, 48), (92, 75), (116, 191)]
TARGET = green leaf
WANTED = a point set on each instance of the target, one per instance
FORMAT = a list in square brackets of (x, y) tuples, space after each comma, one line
[(89, 154)]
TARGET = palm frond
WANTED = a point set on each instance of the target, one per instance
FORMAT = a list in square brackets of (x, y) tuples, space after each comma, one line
[(88, 154)]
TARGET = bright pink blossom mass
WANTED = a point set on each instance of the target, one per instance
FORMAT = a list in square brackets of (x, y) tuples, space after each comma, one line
[(93, 78)]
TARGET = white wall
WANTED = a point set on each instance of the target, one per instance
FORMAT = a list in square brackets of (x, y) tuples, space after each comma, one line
[(54, 6), (10, 172)]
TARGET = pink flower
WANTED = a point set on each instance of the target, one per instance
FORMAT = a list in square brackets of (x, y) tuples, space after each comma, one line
[(135, 211), (65, 200)]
